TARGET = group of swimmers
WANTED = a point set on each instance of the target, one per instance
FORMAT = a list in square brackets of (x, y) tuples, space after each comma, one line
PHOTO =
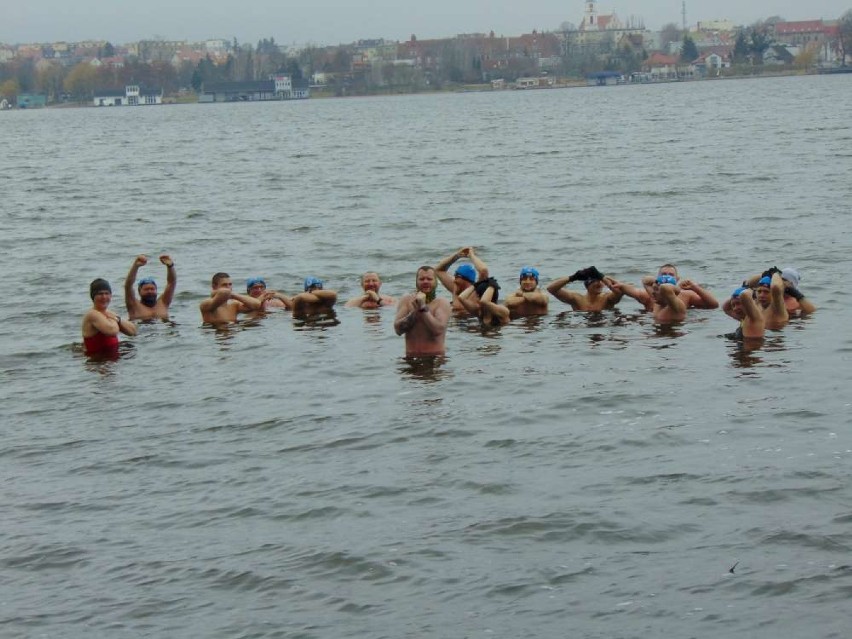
[(764, 301)]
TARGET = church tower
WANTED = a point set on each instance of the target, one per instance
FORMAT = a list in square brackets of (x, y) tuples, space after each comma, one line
[(590, 17)]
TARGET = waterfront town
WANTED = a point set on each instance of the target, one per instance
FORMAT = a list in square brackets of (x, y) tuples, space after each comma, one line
[(598, 49)]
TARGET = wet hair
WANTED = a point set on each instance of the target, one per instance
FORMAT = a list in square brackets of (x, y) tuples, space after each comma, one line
[(481, 286), (218, 277), (97, 286)]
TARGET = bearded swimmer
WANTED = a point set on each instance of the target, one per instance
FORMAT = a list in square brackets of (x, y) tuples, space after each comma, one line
[(529, 299), (101, 326), (149, 306), (422, 317)]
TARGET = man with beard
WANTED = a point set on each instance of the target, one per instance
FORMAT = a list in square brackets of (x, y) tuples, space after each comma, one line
[(529, 298), (149, 306), (422, 317), (372, 298)]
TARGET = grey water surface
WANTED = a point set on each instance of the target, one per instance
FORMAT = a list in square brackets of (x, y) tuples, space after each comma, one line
[(576, 475)]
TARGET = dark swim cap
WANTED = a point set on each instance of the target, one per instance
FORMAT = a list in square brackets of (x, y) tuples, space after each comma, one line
[(467, 272), (482, 286), (98, 286), (146, 280)]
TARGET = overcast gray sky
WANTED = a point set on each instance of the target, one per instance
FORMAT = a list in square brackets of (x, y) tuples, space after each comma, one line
[(340, 21)]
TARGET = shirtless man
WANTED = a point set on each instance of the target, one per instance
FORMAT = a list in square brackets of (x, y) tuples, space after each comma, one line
[(314, 300), (770, 297), (149, 306), (256, 287), (223, 305), (422, 317), (595, 298), (529, 298), (466, 275), (693, 295), (666, 303), (371, 298), (100, 325), (490, 313), (743, 308), (794, 300)]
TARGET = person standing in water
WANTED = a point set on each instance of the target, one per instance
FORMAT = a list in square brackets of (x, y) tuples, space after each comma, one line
[(422, 317), (101, 326), (149, 306)]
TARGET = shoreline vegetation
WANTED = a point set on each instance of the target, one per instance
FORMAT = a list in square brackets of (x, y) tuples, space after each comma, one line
[(319, 93)]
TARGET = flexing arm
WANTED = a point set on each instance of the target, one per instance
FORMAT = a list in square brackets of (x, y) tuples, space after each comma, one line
[(275, 295), (704, 298), (641, 295), (480, 266), (171, 280), (557, 289), (470, 305), (442, 270), (130, 300), (670, 294), (616, 292)]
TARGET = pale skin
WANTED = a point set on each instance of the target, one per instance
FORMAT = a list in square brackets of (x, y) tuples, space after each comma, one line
[(490, 313), (746, 310), (802, 306), (223, 306), (771, 300), (456, 284), (424, 324), (99, 319), (691, 293), (371, 297), (269, 298), (313, 302), (595, 298), (136, 310), (528, 299)]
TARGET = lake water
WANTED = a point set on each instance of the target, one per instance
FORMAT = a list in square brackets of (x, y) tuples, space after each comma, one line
[(574, 475)]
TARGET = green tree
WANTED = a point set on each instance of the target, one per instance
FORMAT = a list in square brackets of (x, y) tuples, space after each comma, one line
[(688, 52), (741, 49), (759, 42)]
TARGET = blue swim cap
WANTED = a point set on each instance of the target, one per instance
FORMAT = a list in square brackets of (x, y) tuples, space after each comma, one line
[(253, 281), (739, 291), (312, 281), (764, 281), (666, 279), (146, 280), (529, 270), (467, 272)]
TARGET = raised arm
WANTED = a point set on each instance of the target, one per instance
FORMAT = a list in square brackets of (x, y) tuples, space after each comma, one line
[(641, 295), (470, 305), (442, 270), (702, 298), (480, 266), (615, 291), (670, 293), (130, 300), (557, 289), (171, 279), (776, 300)]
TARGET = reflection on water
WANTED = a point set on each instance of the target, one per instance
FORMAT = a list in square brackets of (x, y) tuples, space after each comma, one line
[(317, 322), (424, 369)]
